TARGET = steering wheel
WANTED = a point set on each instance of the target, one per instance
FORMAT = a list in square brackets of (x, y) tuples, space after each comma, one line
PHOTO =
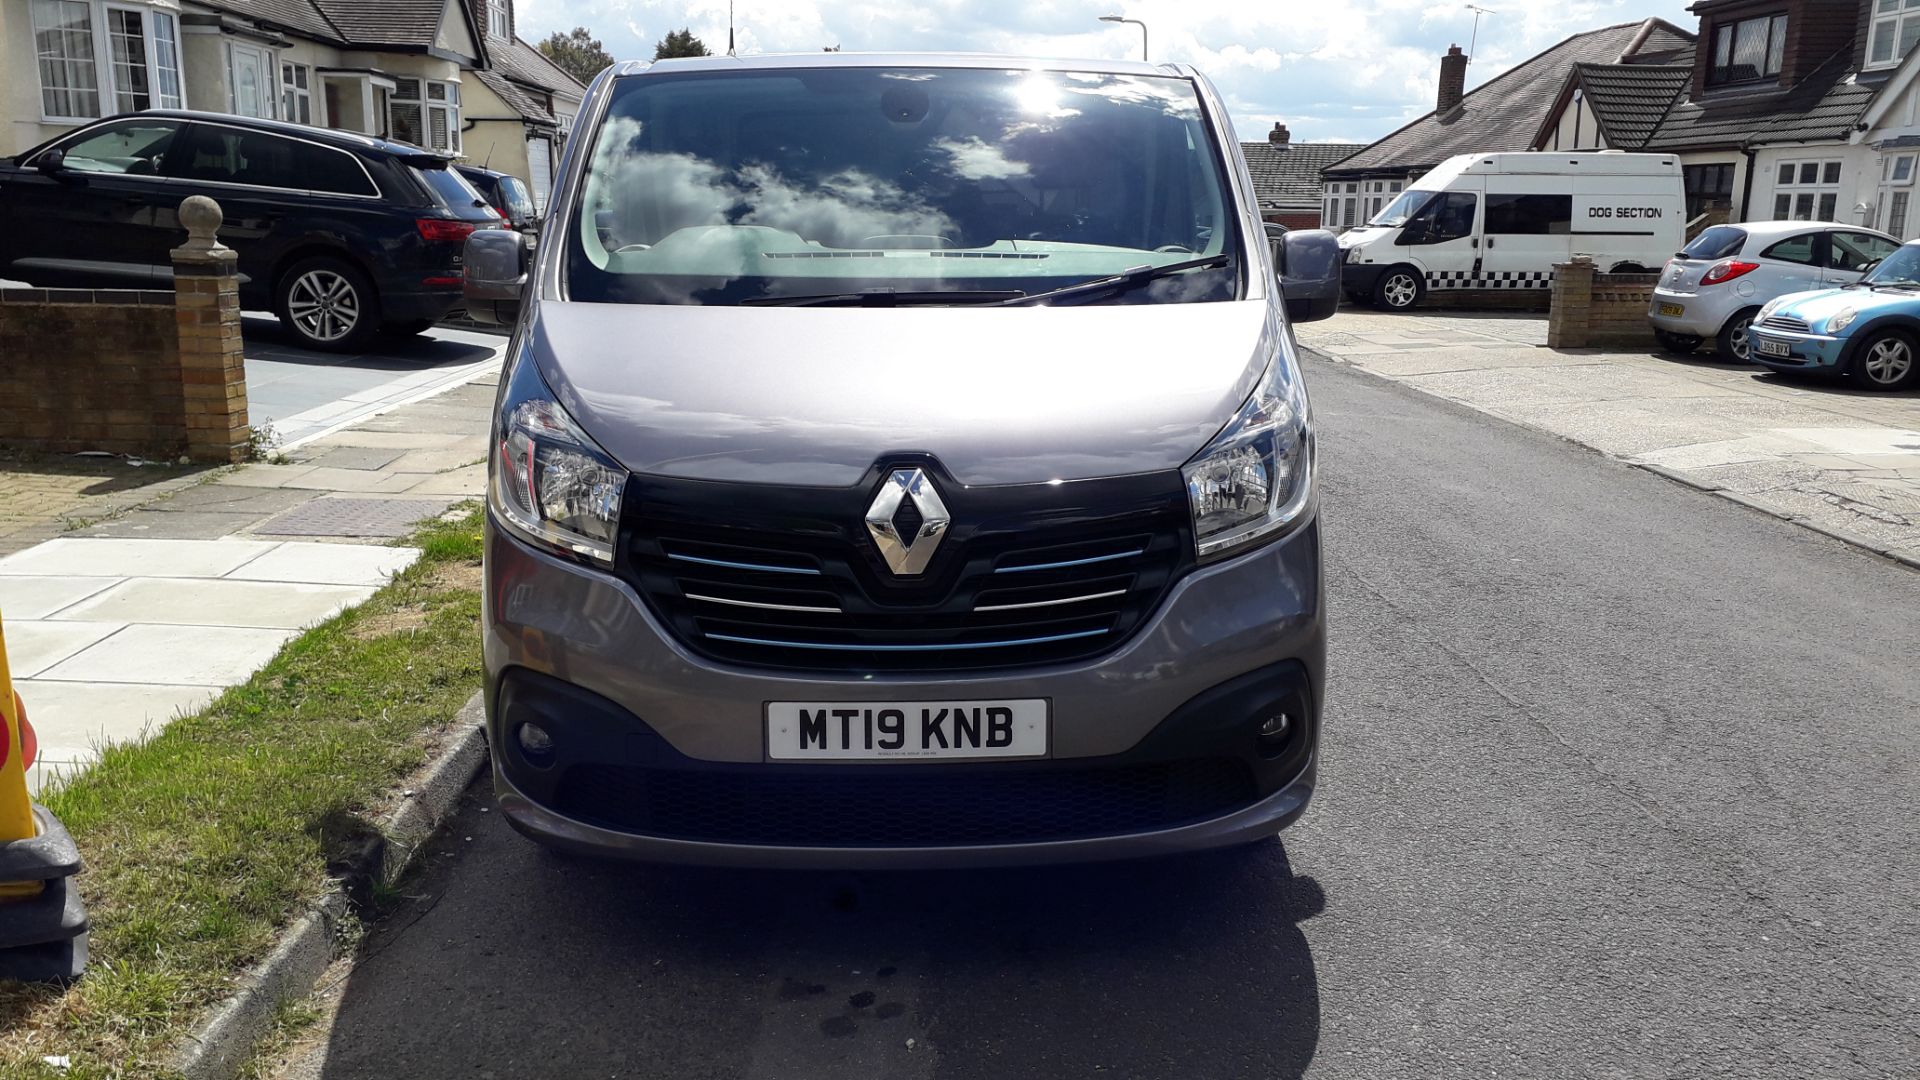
[(1176, 247)]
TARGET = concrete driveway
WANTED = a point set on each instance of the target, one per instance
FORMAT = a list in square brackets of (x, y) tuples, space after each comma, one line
[(302, 394)]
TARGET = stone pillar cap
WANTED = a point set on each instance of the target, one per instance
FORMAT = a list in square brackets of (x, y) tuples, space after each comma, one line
[(202, 217)]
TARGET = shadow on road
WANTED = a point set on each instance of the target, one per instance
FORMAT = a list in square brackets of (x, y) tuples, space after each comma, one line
[(515, 961), (266, 339)]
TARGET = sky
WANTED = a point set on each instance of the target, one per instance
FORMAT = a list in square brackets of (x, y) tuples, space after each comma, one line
[(1332, 70)]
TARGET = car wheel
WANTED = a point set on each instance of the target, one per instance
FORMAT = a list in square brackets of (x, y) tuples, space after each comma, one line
[(1735, 344), (1399, 289), (1889, 360), (327, 303), (1679, 344), (408, 329)]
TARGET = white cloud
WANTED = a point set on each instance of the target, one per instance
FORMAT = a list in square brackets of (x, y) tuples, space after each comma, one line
[(1346, 70)]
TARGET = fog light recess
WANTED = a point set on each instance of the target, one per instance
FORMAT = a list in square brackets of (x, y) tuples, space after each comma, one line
[(1275, 731), (536, 745)]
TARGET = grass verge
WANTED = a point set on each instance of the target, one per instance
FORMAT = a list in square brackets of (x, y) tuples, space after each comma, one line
[(204, 841)]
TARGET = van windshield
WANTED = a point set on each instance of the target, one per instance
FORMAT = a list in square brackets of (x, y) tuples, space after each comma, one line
[(934, 185), (1402, 208)]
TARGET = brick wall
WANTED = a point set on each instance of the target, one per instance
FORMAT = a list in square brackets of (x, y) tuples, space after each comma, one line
[(1591, 310), (90, 370)]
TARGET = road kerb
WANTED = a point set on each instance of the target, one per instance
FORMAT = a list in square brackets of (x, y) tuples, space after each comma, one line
[(223, 1043)]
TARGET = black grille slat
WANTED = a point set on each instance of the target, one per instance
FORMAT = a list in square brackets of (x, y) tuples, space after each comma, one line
[(1067, 570), (904, 806)]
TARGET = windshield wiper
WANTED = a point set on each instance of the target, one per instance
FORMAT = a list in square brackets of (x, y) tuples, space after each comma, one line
[(1130, 278), (888, 297)]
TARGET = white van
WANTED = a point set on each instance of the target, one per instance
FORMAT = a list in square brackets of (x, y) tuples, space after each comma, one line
[(1501, 221)]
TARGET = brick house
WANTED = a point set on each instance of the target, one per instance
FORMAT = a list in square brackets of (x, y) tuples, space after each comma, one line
[(1788, 109), (446, 74), (1286, 176)]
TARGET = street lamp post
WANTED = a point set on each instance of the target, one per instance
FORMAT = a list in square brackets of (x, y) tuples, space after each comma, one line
[(1136, 22)]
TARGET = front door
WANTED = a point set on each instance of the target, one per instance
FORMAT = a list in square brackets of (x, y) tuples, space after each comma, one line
[(248, 69), (1444, 240), (97, 221)]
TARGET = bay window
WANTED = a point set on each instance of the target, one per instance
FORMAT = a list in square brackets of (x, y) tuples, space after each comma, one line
[(296, 93), (1896, 26), (426, 113), (96, 59)]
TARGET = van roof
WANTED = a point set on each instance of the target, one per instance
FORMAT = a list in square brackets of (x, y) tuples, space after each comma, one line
[(1539, 162), (991, 61)]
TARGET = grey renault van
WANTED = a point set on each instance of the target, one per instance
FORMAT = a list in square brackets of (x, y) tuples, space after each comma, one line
[(902, 461)]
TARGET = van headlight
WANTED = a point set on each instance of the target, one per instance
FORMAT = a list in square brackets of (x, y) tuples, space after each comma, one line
[(550, 483), (1255, 479)]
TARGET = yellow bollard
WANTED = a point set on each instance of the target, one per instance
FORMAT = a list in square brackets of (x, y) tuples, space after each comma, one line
[(16, 807)]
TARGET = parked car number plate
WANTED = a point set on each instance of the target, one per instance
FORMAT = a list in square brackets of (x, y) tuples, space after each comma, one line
[(907, 730), (1673, 310), (1773, 348)]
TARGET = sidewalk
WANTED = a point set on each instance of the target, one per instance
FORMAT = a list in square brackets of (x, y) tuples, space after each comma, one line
[(1842, 461), (195, 579)]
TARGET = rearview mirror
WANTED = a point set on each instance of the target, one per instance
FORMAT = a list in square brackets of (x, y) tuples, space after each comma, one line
[(51, 162), (1307, 263), (494, 275)]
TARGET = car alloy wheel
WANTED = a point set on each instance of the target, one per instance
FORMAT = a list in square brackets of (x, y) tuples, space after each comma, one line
[(1887, 362), (324, 305), (1400, 290), (1736, 340)]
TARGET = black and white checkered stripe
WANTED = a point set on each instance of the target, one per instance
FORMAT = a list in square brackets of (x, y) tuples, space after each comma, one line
[(1489, 279)]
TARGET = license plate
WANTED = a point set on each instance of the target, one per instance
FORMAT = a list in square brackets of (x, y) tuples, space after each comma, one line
[(1673, 311), (906, 730), (1773, 348)]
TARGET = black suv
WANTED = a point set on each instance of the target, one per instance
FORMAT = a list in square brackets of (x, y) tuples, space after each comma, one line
[(339, 234), (507, 193)]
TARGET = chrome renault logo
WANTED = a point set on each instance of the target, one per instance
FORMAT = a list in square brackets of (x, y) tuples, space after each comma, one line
[(907, 555)]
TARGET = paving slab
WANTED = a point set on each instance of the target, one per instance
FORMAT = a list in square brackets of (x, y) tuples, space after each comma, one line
[(322, 478), (328, 564), (84, 715), (354, 517), (35, 646), (134, 558), (226, 602), (469, 482), (144, 524), (164, 655), (356, 457), (39, 597)]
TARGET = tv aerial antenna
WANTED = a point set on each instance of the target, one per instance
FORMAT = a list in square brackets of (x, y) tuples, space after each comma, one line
[(1475, 40)]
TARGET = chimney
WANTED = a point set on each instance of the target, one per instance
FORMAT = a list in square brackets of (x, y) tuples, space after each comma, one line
[(1278, 136), (1453, 81)]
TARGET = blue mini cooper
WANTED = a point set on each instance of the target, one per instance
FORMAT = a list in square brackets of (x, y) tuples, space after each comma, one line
[(1868, 331)]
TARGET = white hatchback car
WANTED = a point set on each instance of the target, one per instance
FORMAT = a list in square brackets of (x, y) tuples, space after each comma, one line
[(1713, 288)]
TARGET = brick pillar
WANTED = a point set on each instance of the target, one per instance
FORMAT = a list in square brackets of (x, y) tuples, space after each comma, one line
[(1569, 319), (213, 372)]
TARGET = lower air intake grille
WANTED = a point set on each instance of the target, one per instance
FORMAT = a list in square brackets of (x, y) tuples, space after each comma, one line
[(916, 806)]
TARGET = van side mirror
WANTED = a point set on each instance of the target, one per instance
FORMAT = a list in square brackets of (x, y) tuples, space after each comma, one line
[(494, 275), (1307, 263), (52, 162)]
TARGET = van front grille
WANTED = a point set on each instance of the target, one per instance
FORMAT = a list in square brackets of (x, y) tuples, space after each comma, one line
[(788, 577)]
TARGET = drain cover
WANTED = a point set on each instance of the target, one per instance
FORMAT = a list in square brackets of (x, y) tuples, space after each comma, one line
[(354, 517)]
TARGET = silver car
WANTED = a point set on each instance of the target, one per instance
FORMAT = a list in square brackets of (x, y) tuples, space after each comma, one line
[(1711, 289), (903, 461)]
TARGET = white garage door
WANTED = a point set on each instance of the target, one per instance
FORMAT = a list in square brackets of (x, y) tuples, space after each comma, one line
[(540, 171)]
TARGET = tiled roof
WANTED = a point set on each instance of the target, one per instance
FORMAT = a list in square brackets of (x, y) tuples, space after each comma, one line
[(1823, 107), (385, 22), (1629, 100), (1506, 112), (521, 62), (517, 99), (297, 15), (1291, 178)]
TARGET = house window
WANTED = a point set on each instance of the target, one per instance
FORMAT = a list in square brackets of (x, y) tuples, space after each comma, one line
[(1749, 50), (89, 53), (1341, 204), (1379, 194), (432, 120), (1806, 190), (1896, 26), (1709, 187), (296, 93), (497, 24)]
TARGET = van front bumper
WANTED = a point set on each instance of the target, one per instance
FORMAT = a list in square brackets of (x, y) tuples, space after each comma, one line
[(659, 754)]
